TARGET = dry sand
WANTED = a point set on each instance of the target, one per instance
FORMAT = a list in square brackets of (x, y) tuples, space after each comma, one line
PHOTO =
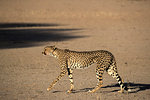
[(27, 26)]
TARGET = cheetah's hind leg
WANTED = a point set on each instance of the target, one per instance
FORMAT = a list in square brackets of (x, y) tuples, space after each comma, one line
[(99, 74), (113, 72)]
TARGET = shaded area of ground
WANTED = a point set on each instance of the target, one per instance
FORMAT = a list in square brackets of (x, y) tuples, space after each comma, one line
[(16, 25), (15, 35), (133, 88)]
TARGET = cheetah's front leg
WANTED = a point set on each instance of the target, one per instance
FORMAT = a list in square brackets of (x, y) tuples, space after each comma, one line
[(57, 79), (99, 74), (70, 71)]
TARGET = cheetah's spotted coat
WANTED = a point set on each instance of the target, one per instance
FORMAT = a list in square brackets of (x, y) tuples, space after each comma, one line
[(70, 60)]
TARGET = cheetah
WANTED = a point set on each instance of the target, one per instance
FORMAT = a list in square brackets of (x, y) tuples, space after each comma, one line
[(69, 60)]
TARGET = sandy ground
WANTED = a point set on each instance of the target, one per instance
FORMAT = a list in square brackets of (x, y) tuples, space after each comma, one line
[(27, 26)]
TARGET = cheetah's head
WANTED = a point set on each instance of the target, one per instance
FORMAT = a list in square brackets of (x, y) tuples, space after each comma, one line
[(48, 50)]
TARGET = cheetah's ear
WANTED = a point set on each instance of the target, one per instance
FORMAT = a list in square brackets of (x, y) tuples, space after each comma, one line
[(54, 47)]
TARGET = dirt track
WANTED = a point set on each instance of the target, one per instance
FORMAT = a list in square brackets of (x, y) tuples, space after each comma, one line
[(119, 26)]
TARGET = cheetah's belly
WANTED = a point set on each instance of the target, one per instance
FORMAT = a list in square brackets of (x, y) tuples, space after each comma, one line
[(80, 64)]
